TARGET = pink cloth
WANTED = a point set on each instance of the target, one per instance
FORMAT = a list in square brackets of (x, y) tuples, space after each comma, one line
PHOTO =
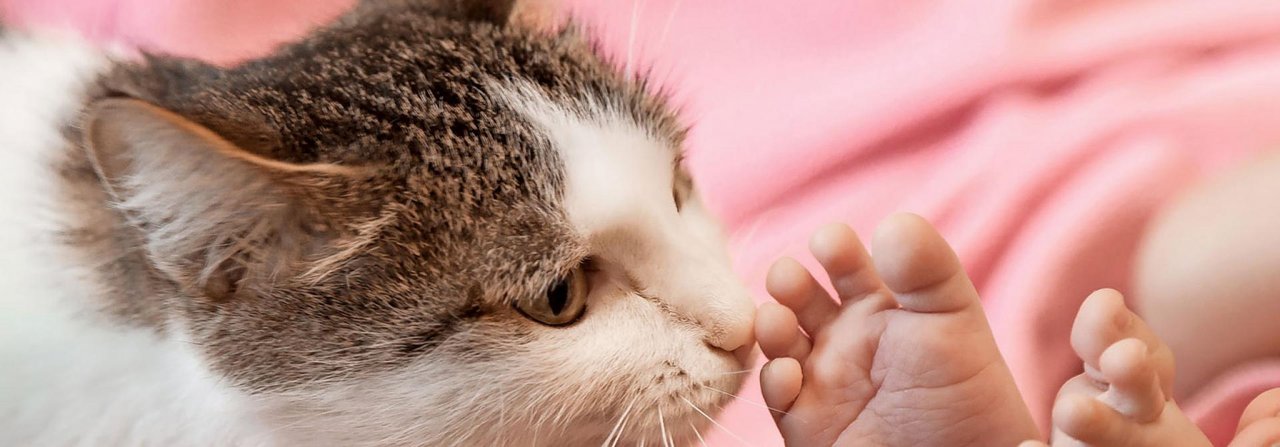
[(1040, 136)]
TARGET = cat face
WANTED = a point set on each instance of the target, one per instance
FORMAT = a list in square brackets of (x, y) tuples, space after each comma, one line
[(425, 226)]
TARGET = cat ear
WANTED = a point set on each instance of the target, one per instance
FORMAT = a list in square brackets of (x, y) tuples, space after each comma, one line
[(209, 212), (492, 11), (540, 15), (534, 14)]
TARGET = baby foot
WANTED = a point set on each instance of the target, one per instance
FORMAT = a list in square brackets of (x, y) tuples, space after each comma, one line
[(904, 358), (1260, 423), (1124, 398)]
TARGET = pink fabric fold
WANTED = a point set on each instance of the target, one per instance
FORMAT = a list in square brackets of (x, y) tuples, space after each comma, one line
[(1040, 136)]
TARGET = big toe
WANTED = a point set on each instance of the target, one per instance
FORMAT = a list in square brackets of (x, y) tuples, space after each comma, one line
[(1260, 423), (1103, 321), (920, 268)]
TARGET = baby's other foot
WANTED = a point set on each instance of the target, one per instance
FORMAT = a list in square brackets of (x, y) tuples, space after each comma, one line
[(1124, 398), (905, 357), (1260, 424)]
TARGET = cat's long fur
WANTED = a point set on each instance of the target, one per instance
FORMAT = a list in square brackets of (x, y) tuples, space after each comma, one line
[(324, 246)]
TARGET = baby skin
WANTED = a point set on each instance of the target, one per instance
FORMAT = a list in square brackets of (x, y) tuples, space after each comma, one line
[(903, 356), (1124, 397)]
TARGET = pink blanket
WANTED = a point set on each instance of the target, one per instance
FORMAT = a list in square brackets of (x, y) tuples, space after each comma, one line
[(1040, 136)]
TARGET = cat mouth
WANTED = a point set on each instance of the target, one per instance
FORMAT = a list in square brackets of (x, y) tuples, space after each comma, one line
[(691, 396), (676, 407), (724, 383), (674, 419)]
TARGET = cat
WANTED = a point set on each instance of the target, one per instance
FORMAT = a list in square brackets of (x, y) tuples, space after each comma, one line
[(422, 224)]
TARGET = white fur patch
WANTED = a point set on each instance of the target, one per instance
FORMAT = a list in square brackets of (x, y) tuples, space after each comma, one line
[(69, 378), (665, 292), (619, 194)]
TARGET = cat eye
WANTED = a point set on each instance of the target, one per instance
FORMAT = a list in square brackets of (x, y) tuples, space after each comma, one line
[(681, 187), (562, 304)]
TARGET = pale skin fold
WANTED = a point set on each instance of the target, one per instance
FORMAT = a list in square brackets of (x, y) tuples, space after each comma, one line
[(903, 356)]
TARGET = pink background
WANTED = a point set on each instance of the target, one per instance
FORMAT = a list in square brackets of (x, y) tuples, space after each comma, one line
[(1040, 136)]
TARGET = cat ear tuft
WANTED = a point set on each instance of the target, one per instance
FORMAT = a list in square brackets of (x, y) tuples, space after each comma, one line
[(492, 11), (208, 211), (541, 15), (538, 15), (497, 12)]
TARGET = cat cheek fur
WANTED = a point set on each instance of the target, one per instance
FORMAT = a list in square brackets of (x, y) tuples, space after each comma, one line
[(618, 187), (495, 385)]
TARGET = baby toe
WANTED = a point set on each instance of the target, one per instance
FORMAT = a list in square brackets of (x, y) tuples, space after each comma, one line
[(778, 333), (1135, 389), (1090, 421), (1265, 406), (1102, 321), (1260, 433), (920, 268), (852, 272), (791, 285), (780, 382)]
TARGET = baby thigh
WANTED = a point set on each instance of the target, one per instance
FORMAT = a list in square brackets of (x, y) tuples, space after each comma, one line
[(1208, 273)]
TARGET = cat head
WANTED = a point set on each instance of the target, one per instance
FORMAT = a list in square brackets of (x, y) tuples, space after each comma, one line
[(426, 224)]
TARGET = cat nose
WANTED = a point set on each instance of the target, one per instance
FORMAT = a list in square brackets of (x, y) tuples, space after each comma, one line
[(734, 335), (729, 326)]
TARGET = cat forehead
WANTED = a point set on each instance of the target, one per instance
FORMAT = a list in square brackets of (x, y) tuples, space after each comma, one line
[(613, 161), (392, 86)]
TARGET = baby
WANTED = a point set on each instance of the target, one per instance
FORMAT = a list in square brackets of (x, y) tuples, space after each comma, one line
[(905, 357)]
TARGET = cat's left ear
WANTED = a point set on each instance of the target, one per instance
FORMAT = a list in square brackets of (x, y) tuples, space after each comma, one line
[(492, 11), (532, 14), (541, 15), (211, 214), (497, 12)]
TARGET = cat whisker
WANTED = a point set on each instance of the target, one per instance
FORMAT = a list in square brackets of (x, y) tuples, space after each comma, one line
[(631, 36), (662, 425), (671, 15), (671, 436), (620, 429), (616, 433), (699, 435), (746, 237), (740, 398), (713, 422), (734, 372)]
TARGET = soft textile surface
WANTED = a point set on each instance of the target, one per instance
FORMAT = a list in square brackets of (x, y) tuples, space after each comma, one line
[(1040, 136)]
